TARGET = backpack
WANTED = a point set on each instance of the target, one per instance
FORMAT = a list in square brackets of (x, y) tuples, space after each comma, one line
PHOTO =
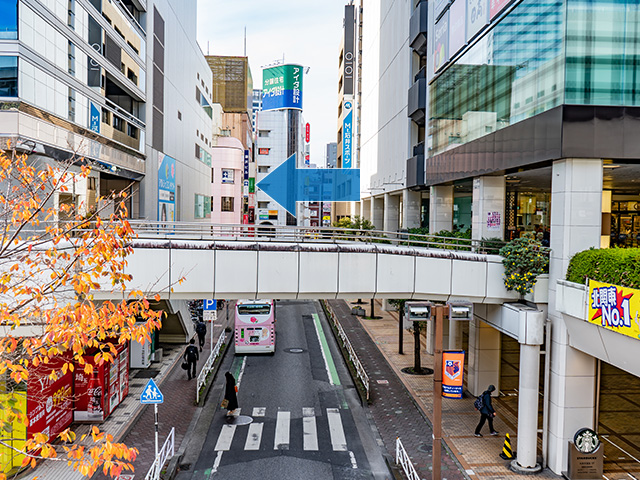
[(479, 403), (192, 353), (201, 328)]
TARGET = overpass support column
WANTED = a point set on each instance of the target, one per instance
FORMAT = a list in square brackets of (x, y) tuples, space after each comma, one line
[(576, 215), (411, 202), (366, 208), (484, 351), (391, 212), (528, 407), (441, 208), (455, 334), (377, 212), (488, 207)]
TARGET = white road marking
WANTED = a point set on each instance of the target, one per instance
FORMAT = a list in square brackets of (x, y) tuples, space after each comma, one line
[(309, 430), (254, 436), (244, 364), (216, 464), (338, 440), (354, 464), (281, 441), (259, 412), (225, 438)]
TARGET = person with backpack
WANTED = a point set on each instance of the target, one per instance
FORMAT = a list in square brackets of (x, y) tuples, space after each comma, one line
[(201, 330), (483, 404), (191, 356)]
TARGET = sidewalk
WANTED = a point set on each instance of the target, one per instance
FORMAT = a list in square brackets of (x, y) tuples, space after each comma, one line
[(376, 343), (133, 423)]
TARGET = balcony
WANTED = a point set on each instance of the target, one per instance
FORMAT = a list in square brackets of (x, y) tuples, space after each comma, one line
[(418, 28), (418, 101), (415, 169)]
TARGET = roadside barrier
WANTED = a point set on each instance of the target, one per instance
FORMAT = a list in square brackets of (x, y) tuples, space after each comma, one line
[(166, 452), (402, 458), (208, 366)]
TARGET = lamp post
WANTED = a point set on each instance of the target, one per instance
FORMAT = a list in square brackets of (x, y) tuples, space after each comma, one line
[(441, 311)]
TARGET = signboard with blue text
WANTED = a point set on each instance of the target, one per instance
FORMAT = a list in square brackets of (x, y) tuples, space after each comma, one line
[(282, 87), (615, 308), (347, 134), (166, 188), (452, 374), (94, 118)]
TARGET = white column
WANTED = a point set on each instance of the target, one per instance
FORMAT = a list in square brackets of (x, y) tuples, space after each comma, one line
[(528, 406), (391, 212), (484, 353), (488, 200), (576, 198), (441, 208), (377, 212), (411, 208), (366, 208), (455, 335)]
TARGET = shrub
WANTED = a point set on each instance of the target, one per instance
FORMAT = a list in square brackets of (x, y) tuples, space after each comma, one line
[(523, 260), (619, 266)]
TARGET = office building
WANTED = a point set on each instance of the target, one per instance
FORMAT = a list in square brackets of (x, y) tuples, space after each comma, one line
[(331, 155)]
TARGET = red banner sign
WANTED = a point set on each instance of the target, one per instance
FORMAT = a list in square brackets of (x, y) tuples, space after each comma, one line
[(307, 135)]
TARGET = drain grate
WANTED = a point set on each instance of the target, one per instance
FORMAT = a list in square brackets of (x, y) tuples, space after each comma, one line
[(150, 373), (184, 467)]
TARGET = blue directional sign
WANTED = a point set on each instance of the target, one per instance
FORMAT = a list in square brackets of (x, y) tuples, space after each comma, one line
[(151, 393), (288, 184), (209, 304)]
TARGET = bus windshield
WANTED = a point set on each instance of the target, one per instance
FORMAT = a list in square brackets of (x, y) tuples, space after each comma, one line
[(254, 309)]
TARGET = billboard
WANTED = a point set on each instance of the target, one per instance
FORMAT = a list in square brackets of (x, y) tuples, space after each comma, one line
[(349, 51), (452, 374), (282, 87), (457, 24), (441, 43), (166, 188), (94, 117), (615, 308), (347, 136), (496, 6), (477, 16)]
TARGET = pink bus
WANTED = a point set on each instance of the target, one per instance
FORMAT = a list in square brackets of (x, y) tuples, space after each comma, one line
[(255, 326)]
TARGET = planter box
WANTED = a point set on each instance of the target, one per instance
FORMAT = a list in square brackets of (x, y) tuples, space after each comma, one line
[(571, 299), (540, 293)]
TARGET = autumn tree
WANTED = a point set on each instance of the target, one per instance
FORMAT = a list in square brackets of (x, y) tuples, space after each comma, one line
[(48, 318)]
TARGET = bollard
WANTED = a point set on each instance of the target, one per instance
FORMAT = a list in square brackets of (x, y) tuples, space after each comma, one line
[(507, 453)]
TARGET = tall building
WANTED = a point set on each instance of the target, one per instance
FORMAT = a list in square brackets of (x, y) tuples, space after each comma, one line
[(257, 106), (331, 155), (516, 120)]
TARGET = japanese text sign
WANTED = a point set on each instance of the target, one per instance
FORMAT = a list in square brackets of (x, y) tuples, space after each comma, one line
[(614, 308)]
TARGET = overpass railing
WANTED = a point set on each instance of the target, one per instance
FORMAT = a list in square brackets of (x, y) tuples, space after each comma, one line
[(295, 234)]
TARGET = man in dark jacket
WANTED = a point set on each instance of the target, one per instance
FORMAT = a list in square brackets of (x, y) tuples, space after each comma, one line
[(191, 356), (486, 412), (201, 330)]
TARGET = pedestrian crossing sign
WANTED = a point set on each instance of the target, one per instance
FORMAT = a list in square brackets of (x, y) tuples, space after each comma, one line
[(151, 393)]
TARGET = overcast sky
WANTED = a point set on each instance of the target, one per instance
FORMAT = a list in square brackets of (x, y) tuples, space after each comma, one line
[(307, 32)]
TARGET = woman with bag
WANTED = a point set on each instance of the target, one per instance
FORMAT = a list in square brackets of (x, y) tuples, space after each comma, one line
[(230, 401)]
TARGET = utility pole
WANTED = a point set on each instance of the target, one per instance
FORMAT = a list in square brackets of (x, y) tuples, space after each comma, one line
[(441, 311)]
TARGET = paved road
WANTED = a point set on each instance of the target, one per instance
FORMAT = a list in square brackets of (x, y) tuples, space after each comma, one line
[(307, 422)]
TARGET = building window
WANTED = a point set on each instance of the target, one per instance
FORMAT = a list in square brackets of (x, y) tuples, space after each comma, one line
[(133, 48), (118, 123), (179, 115), (263, 169), (72, 59), (226, 204), (132, 131), (202, 205), (263, 133), (72, 104), (132, 76), (198, 152), (106, 116), (9, 20), (8, 75), (71, 14)]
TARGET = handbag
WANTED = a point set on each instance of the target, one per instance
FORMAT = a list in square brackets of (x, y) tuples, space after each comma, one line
[(225, 403), (185, 365)]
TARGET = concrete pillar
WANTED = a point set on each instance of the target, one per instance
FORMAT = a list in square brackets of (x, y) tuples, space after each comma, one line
[(377, 212), (488, 207), (391, 212), (366, 208), (528, 407), (576, 206), (430, 337), (484, 353), (412, 203), (441, 208), (455, 335)]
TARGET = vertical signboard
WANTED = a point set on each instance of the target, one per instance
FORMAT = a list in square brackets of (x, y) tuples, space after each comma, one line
[(452, 374), (95, 40), (245, 173), (457, 23), (349, 51), (166, 188), (496, 6), (307, 133), (347, 137), (477, 16), (441, 42), (282, 87), (94, 118)]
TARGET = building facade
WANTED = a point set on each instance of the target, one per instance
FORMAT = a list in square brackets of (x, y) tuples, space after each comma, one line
[(331, 155)]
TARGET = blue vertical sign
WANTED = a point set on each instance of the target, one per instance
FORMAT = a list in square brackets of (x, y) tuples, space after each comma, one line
[(347, 136), (246, 165), (94, 118), (166, 188)]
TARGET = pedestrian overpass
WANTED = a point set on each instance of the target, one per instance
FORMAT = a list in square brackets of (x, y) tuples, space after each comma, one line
[(182, 261)]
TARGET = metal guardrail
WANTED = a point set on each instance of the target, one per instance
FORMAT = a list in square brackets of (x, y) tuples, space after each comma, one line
[(360, 371), (208, 366), (166, 452), (402, 458)]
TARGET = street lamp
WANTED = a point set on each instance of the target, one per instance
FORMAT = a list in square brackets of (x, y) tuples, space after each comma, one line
[(417, 312)]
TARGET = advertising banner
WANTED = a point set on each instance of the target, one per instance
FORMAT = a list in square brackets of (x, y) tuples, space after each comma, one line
[(282, 87), (166, 188), (227, 175), (441, 43), (477, 16), (493, 221), (615, 308), (245, 172), (349, 49), (496, 6), (94, 118), (457, 26), (452, 373), (347, 127), (252, 185)]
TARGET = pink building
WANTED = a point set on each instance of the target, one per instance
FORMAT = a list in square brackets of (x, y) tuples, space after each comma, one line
[(227, 165)]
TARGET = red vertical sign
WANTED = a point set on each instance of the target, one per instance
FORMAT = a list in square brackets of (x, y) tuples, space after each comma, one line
[(307, 135)]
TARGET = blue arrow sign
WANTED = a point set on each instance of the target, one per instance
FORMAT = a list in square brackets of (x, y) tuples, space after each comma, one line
[(288, 184), (151, 393)]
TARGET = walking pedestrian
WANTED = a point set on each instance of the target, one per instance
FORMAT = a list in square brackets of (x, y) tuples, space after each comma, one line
[(201, 330), (230, 390), (191, 356), (487, 411)]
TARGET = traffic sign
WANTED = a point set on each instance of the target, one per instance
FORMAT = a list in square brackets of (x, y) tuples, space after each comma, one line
[(209, 304), (151, 394)]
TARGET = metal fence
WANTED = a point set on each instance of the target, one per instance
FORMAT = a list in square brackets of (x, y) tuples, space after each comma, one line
[(166, 452), (360, 371), (208, 366), (402, 459)]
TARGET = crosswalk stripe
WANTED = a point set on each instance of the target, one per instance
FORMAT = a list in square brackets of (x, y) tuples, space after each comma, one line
[(259, 412), (225, 438), (338, 440), (254, 436), (309, 433), (281, 441)]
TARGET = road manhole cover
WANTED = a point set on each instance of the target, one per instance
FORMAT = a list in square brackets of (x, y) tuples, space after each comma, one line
[(294, 350), (413, 371), (239, 420), (424, 448)]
